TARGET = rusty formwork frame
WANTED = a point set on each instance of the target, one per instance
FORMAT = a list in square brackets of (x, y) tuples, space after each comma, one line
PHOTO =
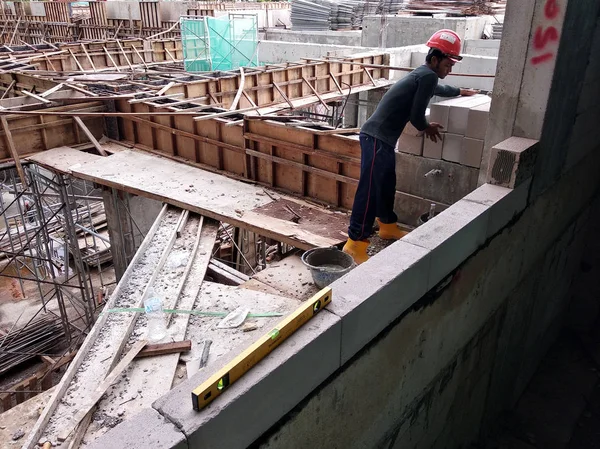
[(57, 25)]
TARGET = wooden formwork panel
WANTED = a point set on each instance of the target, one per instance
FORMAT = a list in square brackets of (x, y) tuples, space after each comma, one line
[(98, 13), (299, 160), (150, 13), (57, 11), (34, 133)]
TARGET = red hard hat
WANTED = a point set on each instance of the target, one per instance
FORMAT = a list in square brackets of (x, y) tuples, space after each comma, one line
[(448, 42)]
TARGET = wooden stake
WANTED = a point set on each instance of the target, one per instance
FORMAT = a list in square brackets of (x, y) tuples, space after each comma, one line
[(90, 136), (166, 88), (314, 91), (238, 95), (76, 61), (111, 58), (10, 86), (37, 97), (139, 56), (124, 54), (88, 57), (52, 90), (13, 151)]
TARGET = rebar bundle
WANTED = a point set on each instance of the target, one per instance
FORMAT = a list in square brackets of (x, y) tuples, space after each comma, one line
[(36, 338)]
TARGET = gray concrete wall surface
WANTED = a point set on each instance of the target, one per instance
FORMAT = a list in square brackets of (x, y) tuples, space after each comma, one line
[(350, 38), (399, 31), (482, 47)]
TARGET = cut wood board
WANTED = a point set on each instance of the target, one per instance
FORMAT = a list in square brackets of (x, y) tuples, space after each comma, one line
[(211, 195)]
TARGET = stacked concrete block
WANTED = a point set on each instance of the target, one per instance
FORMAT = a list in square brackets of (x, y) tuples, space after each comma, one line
[(411, 140), (464, 120)]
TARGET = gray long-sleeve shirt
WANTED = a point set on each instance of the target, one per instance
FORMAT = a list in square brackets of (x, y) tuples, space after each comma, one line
[(406, 101)]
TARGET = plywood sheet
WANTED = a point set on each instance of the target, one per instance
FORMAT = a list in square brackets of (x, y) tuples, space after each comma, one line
[(214, 196)]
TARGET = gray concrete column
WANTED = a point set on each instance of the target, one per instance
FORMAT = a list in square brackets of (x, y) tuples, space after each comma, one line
[(129, 217)]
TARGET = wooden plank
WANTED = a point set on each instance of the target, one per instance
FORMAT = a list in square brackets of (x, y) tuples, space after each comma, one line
[(165, 348), (138, 173), (90, 136), (104, 385), (37, 97), (52, 90), (13, 150)]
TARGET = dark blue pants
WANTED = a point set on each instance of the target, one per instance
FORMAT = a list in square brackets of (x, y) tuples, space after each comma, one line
[(376, 188)]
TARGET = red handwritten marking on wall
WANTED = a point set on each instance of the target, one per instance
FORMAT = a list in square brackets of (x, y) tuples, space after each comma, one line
[(544, 36)]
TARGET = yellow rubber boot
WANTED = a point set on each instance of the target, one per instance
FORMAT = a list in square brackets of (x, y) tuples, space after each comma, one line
[(357, 249), (390, 231)]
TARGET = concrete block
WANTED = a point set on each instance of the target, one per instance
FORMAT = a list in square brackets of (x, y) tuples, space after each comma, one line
[(454, 182), (482, 47), (410, 144), (146, 429), (512, 161), (471, 152), (452, 237), (478, 121), (458, 117), (398, 275), (264, 394), (439, 112), (432, 149), (453, 147), (503, 203), (410, 130)]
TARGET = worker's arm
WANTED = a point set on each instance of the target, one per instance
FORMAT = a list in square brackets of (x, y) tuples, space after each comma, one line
[(425, 89), (447, 91)]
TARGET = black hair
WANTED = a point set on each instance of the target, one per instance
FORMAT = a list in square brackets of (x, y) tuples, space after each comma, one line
[(435, 52)]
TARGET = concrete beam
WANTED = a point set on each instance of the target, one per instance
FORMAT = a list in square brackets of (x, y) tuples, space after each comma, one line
[(147, 429)]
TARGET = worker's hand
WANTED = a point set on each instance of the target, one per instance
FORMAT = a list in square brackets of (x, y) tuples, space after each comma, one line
[(468, 92), (432, 132)]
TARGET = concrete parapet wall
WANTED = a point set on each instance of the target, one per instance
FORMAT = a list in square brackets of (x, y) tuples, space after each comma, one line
[(399, 31), (350, 38)]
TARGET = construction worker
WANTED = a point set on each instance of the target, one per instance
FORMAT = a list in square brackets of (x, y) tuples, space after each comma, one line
[(406, 101)]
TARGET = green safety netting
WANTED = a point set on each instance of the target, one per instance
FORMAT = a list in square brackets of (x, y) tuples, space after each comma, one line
[(219, 43)]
